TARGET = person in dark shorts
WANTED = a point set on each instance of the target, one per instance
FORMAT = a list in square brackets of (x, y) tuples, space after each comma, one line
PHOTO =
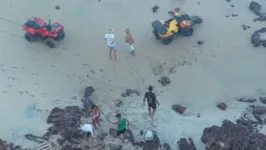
[(151, 100), (122, 124)]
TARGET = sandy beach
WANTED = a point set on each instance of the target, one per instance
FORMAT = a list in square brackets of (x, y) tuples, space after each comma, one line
[(35, 78)]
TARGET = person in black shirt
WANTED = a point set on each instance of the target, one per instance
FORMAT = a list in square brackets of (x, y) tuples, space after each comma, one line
[(151, 100)]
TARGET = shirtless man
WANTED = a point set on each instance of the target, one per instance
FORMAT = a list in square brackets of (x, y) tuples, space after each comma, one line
[(129, 41)]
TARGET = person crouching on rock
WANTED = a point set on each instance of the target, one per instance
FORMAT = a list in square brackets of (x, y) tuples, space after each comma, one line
[(152, 101), (122, 124), (95, 114)]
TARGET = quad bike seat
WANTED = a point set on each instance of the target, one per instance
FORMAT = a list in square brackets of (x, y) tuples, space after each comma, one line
[(159, 27)]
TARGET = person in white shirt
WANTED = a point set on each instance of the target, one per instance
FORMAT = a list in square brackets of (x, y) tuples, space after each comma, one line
[(110, 39)]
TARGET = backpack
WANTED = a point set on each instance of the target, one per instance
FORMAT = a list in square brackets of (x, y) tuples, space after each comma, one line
[(150, 97)]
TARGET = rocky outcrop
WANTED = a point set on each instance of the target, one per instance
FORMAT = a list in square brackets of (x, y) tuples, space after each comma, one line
[(233, 136), (164, 81), (183, 144), (179, 109), (222, 106), (8, 146), (66, 122), (247, 100), (130, 92), (255, 8)]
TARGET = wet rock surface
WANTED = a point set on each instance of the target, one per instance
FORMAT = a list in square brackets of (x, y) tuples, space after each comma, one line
[(222, 106), (115, 147), (247, 100), (8, 146), (36, 138), (66, 122), (259, 110), (152, 145), (130, 92), (185, 144), (233, 136), (165, 146), (118, 102), (164, 81), (255, 8), (263, 100), (155, 8), (179, 109), (69, 147)]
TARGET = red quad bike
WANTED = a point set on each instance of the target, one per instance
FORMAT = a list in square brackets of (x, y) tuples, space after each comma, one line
[(37, 29)]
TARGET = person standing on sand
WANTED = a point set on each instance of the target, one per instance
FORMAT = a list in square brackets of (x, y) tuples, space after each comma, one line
[(122, 124), (95, 114), (129, 41), (110, 39), (151, 100)]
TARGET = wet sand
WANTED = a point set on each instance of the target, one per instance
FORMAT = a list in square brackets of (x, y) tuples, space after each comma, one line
[(34, 78)]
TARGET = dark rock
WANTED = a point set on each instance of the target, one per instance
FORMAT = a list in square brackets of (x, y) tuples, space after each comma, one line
[(247, 100), (66, 122), (263, 100), (227, 16), (57, 7), (228, 0), (36, 138), (259, 110), (88, 91), (115, 147), (118, 102), (112, 132), (198, 115), (262, 17), (232, 136), (70, 147), (198, 3), (60, 141), (263, 43), (179, 109), (165, 146), (232, 5), (4, 145), (255, 39), (152, 145), (164, 81), (200, 42), (155, 8), (234, 15), (222, 106), (130, 92), (255, 8), (244, 27), (262, 30), (130, 136), (183, 144)]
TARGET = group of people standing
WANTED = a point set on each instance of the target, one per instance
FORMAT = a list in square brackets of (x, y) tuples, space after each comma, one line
[(110, 39), (121, 122)]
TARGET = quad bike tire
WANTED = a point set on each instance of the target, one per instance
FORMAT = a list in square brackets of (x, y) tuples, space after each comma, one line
[(50, 42), (188, 31), (167, 40), (156, 34), (29, 37), (196, 19)]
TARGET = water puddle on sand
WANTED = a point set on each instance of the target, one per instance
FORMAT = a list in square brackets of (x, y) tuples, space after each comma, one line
[(31, 111)]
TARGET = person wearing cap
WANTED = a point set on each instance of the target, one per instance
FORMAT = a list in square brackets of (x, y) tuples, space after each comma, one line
[(110, 39), (129, 41), (151, 100)]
